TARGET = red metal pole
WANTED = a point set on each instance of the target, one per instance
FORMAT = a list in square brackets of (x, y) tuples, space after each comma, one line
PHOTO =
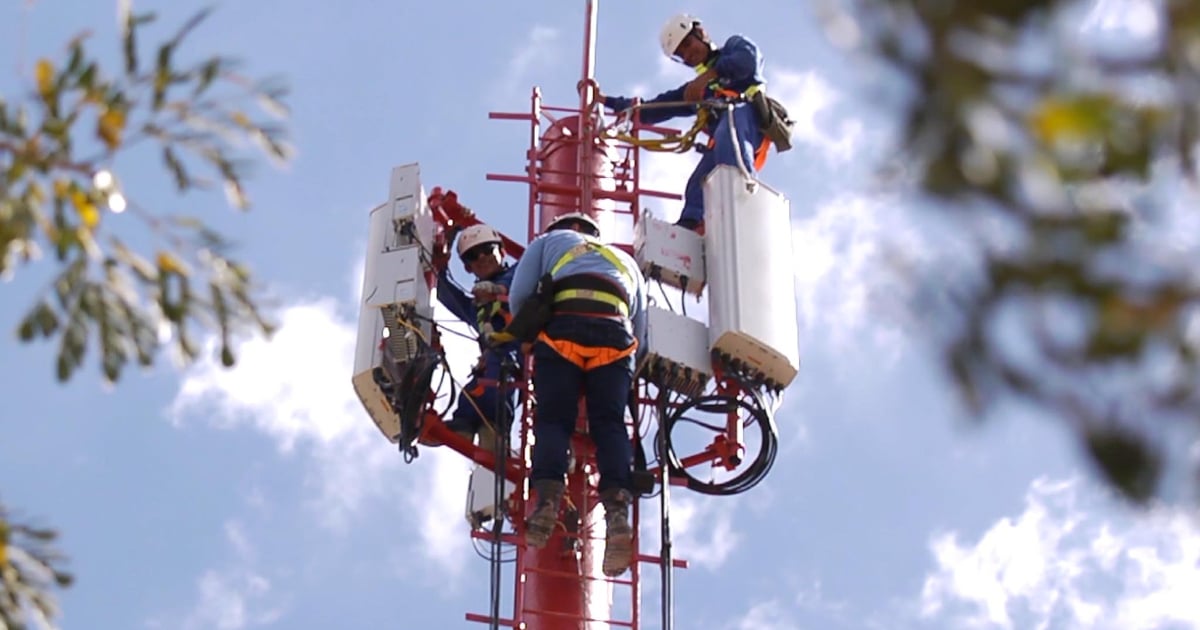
[(587, 83), (563, 578)]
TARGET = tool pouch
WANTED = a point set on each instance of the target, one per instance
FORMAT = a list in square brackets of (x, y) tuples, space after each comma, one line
[(535, 312), (773, 120)]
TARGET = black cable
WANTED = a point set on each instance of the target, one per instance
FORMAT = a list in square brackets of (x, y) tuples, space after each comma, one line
[(407, 385), (755, 471), (665, 556), (663, 291), (487, 555), (501, 429), (683, 281), (443, 329), (411, 391), (453, 386)]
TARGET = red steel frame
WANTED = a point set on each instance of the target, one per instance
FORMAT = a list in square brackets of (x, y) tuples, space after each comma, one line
[(568, 168)]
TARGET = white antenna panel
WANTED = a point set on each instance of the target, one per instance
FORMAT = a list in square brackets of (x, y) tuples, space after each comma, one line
[(752, 295)]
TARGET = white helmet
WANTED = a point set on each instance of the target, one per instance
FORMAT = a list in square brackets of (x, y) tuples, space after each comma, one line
[(582, 217), (478, 234), (674, 31)]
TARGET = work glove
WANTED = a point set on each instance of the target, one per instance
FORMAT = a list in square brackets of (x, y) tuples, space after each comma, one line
[(499, 338), (487, 291)]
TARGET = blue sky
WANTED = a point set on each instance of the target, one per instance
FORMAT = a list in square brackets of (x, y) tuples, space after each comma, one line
[(264, 497)]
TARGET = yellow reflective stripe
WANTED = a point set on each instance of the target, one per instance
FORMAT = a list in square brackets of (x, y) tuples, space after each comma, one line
[(748, 92), (590, 294), (715, 86), (616, 262), (591, 244), (572, 254), (485, 313)]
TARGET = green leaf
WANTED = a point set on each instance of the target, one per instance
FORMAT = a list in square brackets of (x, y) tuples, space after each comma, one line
[(208, 73), (41, 321), (191, 24), (1126, 460), (87, 79), (182, 182), (73, 345), (129, 46), (75, 62), (162, 75)]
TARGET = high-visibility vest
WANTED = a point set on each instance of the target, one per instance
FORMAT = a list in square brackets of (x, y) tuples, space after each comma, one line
[(720, 90), (587, 357), (763, 148), (592, 244), (485, 312)]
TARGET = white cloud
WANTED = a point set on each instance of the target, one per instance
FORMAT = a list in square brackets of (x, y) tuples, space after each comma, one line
[(805, 605), (844, 285), (1137, 18), (768, 615), (291, 387), (226, 601), (541, 49), (666, 172), (810, 99), (295, 388), (232, 598), (1059, 565), (702, 531)]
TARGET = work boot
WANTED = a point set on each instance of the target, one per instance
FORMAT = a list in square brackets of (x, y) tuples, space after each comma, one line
[(540, 524), (618, 541)]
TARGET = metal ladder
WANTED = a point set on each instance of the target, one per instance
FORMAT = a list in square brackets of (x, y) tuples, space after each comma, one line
[(528, 617)]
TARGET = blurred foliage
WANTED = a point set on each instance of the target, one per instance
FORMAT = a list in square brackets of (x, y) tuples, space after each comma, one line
[(29, 567), (112, 289), (56, 197), (1045, 140)]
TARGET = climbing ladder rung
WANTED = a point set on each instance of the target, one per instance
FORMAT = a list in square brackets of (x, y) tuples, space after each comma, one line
[(576, 576), (563, 615), (508, 623), (678, 564), (511, 539)]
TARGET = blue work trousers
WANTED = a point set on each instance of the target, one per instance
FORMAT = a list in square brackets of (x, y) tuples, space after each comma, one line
[(722, 152), (558, 384), (482, 392)]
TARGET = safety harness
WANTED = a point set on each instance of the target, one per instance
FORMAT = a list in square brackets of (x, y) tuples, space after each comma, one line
[(773, 119), (485, 313), (589, 295)]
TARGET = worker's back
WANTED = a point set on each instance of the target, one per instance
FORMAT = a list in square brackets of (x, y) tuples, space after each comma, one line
[(561, 243)]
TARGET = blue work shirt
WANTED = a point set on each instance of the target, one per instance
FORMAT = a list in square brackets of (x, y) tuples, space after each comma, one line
[(462, 303), (738, 65), (545, 251)]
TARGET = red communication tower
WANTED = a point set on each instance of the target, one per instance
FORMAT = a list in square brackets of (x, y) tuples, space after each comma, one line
[(574, 163)]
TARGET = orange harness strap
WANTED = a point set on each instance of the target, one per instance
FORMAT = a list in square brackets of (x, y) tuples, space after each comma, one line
[(586, 357), (760, 153)]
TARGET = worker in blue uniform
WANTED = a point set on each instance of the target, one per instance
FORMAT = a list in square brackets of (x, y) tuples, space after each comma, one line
[(731, 70), (485, 308), (587, 345)]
